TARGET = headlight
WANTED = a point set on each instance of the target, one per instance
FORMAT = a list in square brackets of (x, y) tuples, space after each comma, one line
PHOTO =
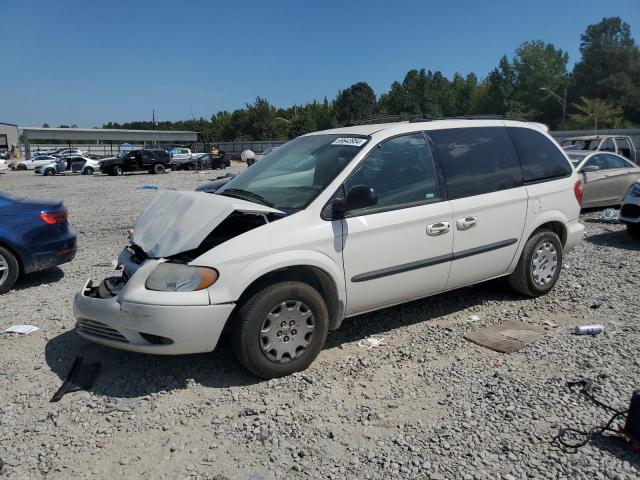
[(635, 190), (176, 277)]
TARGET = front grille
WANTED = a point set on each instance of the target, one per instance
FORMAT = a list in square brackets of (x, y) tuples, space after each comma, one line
[(630, 210), (97, 329)]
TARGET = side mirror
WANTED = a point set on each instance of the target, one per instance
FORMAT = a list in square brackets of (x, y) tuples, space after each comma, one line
[(358, 196), (590, 168)]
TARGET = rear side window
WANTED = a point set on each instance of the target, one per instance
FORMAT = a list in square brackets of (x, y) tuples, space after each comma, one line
[(476, 160), (541, 159)]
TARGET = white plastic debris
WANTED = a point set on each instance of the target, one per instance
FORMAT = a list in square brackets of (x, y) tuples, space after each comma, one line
[(609, 215), (370, 342), (474, 318), (550, 324), (24, 329)]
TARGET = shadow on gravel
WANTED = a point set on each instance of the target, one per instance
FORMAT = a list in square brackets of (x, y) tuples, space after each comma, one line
[(619, 448), (37, 279), (430, 308), (127, 374), (617, 239)]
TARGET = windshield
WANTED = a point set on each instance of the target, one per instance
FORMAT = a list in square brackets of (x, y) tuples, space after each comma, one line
[(290, 177), (581, 144)]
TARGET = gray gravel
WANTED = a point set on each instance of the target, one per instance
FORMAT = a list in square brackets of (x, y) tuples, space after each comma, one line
[(426, 404)]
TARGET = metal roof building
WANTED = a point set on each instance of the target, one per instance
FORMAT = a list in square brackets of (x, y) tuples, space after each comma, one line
[(104, 134), (8, 135)]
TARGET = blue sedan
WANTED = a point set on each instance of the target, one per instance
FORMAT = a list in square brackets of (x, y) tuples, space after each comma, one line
[(34, 235)]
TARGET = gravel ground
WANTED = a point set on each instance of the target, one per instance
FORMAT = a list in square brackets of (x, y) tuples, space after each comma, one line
[(426, 404)]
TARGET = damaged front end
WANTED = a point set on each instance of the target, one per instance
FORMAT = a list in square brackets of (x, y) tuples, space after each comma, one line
[(160, 302)]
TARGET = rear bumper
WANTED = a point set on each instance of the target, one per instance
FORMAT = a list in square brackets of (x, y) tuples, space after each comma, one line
[(50, 253), (156, 329), (575, 232)]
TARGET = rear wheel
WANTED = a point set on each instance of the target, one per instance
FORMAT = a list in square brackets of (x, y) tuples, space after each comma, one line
[(281, 329), (88, 171), (539, 266), (633, 229), (158, 168), (117, 170), (9, 270)]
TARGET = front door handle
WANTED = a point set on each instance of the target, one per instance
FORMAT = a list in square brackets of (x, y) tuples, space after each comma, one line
[(466, 223), (438, 228)]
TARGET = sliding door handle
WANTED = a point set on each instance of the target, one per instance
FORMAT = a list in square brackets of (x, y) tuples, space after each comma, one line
[(438, 228), (466, 223)]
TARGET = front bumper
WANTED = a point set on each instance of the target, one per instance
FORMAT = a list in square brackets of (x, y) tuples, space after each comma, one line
[(575, 232), (630, 210), (157, 329)]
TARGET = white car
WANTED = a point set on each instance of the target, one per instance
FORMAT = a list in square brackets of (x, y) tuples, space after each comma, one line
[(181, 154), (334, 224), (33, 163), (3, 166), (630, 210)]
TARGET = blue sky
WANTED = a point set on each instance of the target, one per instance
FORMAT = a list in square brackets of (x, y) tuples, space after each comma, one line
[(89, 62)]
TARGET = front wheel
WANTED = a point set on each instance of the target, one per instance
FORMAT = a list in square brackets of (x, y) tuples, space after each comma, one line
[(281, 329), (88, 171), (21, 167), (633, 229), (49, 171), (539, 266), (9, 270)]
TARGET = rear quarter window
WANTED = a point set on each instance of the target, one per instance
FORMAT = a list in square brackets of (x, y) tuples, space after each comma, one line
[(541, 159), (476, 160)]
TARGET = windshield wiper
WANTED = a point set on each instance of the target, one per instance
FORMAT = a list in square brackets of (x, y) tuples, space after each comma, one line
[(246, 195)]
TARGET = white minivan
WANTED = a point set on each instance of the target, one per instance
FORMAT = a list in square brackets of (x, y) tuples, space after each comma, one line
[(334, 224)]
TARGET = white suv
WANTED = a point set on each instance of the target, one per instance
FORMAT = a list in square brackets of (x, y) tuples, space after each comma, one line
[(334, 224)]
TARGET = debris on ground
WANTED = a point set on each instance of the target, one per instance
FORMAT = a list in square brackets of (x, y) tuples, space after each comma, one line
[(506, 338), (24, 329), (473, 318), (148, 187), (550, 324), (588, 329), (370, 342), (609, 215), (80, 377)]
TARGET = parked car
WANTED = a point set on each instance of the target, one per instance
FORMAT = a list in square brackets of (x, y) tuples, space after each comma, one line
[(606, 177), (3, 166), (61, 152), (630, 210), (34, 235), (622, 145), (202, 161), (181, 153), (67, 165), (248, 157), (33, 163), (214, 185), (334, 224), (153, 161)]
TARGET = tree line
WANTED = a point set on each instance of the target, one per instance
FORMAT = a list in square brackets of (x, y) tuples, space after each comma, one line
[(601, 91)]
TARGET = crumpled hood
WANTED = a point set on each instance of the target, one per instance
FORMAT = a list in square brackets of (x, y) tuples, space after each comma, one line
[(176, 222)]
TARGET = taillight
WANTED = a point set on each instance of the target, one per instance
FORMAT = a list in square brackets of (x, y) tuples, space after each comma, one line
[(577, 191), (54, 218)]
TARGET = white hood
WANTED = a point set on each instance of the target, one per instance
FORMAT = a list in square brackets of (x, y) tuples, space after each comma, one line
[(176, 222)]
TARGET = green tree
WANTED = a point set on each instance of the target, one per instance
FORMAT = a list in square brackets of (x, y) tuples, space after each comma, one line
[(610, 66), (358, 102), (538, 65), (596, 113)]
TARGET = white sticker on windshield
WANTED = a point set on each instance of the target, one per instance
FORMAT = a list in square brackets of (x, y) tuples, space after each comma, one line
[(354, 142)]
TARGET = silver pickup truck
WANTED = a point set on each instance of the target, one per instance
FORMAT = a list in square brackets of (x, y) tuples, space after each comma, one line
[(619, 144)]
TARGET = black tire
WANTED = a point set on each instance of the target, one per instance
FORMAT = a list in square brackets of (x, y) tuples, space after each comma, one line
[(633, 229), (87, 171), (117, 170), (246, 338), (12, 269), (522, 279), (158, 168), (21, 167), (49, 171)]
